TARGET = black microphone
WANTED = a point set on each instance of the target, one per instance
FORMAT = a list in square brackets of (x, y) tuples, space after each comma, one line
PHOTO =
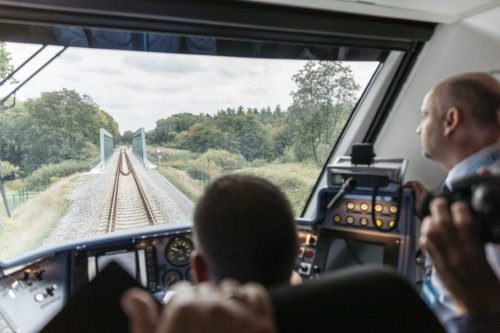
[(347, 187)]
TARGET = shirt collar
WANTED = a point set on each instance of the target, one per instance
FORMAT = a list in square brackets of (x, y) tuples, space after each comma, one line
[(472, 164)]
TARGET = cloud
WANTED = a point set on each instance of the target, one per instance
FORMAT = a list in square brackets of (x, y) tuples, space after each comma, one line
[(104, 70), (256, 91), (134, 86), (69, 56), (167, 89), (163, 65)]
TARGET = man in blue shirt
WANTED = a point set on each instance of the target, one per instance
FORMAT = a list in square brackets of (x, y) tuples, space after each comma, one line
[(460, 130)]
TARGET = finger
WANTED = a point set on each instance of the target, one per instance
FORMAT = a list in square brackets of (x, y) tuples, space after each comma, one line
[(141, 310), (441, 215), (464, 223), (257, 298), (436, 232), (424, 231)]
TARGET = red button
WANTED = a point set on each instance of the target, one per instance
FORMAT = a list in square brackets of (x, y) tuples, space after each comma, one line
[(309, 254)]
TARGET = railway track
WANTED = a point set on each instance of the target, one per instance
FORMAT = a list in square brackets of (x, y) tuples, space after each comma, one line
[(128, 205)]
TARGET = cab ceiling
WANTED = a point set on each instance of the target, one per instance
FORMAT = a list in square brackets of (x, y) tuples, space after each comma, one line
[(442, 11)]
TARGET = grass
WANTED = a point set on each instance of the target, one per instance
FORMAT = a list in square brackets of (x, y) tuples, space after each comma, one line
[(180, 179), (296, 180), (33, 221)]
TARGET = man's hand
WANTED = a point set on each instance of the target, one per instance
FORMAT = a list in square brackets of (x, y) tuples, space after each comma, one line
[(420, 194), (205, 308), (453, 245)]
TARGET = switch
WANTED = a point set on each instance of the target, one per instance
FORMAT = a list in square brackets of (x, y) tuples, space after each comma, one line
[(50, 291), (305, 268), (39, 274), (26, 277)]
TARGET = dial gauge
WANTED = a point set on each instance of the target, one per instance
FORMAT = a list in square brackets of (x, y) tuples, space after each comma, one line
[(178, 251), (171, 277)]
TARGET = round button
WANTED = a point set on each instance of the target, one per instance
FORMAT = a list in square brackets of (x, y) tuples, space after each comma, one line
[(363, 221), (379, 223), (379, 208), (349, 205), (393, 209), (392, 224), (364, 207), (337, 218), (350, 219), (39, 297)]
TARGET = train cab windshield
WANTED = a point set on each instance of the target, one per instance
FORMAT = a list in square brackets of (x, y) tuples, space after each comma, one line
[(184, 109), (117, 116)]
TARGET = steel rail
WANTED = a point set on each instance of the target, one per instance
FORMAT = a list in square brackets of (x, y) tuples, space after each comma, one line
[(112, 218), (147, 207)]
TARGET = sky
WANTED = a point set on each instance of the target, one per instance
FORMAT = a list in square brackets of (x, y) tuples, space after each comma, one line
[(138, 88)]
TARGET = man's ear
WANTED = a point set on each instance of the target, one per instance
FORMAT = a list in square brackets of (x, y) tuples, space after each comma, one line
[(452, 119), (199, 267)]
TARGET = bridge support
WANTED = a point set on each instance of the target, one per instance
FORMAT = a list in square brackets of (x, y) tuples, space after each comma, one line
[(106, 146), (106, 149), (139, 145)]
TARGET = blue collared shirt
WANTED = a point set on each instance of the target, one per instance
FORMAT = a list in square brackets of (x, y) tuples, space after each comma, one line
[(434, 292)]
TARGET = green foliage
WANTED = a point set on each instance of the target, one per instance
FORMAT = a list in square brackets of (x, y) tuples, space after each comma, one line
[(216, 162), (57, 126), (126, 138), (296, 180), (7, 168), (50, 173), (5, 67), (325, 96)]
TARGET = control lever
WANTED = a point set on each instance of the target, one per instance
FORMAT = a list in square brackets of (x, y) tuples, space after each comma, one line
[(348, 186)]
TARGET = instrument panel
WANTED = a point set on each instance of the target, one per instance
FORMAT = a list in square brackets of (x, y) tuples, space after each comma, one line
[(34, 289)]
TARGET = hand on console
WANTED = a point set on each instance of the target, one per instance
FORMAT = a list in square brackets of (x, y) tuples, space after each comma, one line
[(207, 308)]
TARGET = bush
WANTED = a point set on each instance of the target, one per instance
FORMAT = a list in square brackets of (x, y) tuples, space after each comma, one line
[(89, 152), (48, 173), (8, 169)]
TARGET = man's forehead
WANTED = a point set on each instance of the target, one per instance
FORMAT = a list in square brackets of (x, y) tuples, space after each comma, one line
[(426, 102)]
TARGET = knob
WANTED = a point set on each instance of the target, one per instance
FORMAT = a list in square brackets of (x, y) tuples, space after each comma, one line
[(50, 291), (39, 274), (39, 297)]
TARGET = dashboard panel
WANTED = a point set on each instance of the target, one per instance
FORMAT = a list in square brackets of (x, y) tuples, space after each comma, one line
[(33, 289)]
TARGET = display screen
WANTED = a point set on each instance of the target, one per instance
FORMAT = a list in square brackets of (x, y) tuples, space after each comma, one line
[(341, 248), (344, 253), (125, 259)]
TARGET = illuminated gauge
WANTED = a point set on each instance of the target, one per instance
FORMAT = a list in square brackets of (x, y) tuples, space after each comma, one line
[(337, 218), (178, 251), (189, 276), (393, 209), (349, 205), (379, 208), (350, 219), (363, 221), (364, 206), (392, 224), (379, 223), (171, 277)]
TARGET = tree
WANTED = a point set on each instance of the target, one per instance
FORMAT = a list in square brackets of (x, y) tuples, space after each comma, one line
[(325, 95), (5, 66), (57, 126), (166, 129), (127, 137)]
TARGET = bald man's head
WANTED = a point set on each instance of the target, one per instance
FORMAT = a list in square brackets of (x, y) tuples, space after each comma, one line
[(460, 116), (475, 94)]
